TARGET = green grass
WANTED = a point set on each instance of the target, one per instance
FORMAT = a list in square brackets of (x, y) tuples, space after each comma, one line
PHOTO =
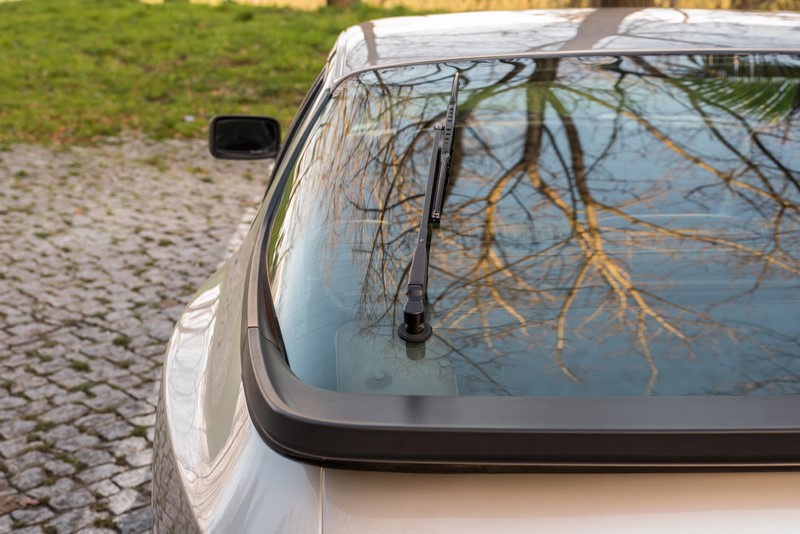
[(80, 366), (73, 71), (122, 340)]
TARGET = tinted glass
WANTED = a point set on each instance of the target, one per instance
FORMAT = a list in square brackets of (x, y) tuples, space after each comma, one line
[(614, 226)]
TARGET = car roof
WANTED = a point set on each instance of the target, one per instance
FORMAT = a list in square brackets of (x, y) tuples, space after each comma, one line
[(437, 38)]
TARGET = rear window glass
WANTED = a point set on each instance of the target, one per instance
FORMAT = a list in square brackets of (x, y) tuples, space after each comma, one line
[(613, 226)]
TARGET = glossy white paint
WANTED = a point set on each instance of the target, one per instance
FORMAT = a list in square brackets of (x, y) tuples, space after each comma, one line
[(523, 503), (391, 41), (229, 480)]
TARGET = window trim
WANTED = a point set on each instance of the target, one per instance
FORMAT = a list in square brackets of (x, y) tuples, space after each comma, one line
[(395, 432)]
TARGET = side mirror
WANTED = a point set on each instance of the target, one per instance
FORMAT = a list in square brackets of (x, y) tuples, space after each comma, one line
[(244, 137)]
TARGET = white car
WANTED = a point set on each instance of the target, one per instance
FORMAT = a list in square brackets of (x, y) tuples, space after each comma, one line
[(528, 271)]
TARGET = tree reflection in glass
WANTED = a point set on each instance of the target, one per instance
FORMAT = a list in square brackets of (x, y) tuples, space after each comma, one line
[(614, 226)]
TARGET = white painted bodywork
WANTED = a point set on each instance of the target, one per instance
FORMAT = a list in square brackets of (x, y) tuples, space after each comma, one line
[(213, 471), (524, 503), (404, 40)]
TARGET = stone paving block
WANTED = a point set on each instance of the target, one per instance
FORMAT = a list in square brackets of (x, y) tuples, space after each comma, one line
[(92, 333), (68, 378), (95, 420), (139, 459), (62, 414), (134, 408), (72, 521), (8, 499), (31, 515), (36, 529), (98, 473), (121, 502), (133, 478), (25, 383), (10, 414), (105, 403), (144, 420), (128, 381), (46, 368), (104, 488), (29, 459), (30, 478), (36, 408), (93, 457), (72, 499), (130, 445), (136, 522), (15, 428), (65, 338), (59, 468), (107, 372), (141, 368), (109, 354), (43, 392), (69, 397), (140, 393), (17, 359), (115, 430), (61, 486), (59, 433), (13, 447), (78, 442), (29, 330), (11, 402)]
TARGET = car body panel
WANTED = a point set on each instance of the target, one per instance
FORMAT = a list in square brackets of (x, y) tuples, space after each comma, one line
[(669, 502), (213, 472), (404, 40)]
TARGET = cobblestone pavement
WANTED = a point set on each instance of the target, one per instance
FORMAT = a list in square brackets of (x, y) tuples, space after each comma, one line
[(100, 249)]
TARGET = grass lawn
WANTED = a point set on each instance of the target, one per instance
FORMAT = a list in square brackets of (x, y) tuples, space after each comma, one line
[(73, 71)]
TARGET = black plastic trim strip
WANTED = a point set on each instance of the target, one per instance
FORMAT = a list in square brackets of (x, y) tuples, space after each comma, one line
[(567, 54), (355, 430)]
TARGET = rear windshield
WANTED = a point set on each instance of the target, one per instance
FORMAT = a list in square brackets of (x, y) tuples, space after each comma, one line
[(613, 226)]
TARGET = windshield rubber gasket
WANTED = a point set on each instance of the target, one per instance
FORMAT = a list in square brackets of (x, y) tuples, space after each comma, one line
[(464, 433)]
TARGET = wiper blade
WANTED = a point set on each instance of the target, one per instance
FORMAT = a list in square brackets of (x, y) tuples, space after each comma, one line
[(446, 155), (415, 328)]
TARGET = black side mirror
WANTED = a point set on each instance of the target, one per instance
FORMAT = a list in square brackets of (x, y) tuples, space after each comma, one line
[(244, 137)]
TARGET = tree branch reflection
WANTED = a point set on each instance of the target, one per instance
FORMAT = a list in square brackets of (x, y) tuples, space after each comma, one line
[(596, 214)]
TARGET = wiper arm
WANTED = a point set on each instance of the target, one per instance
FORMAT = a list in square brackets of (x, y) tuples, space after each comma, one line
[(415, 328)]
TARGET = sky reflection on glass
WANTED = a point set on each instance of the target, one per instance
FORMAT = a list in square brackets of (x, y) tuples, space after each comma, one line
[(613, 227)]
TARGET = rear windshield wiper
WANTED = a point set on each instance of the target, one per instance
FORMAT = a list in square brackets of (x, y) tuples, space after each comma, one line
[(415, 328)]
